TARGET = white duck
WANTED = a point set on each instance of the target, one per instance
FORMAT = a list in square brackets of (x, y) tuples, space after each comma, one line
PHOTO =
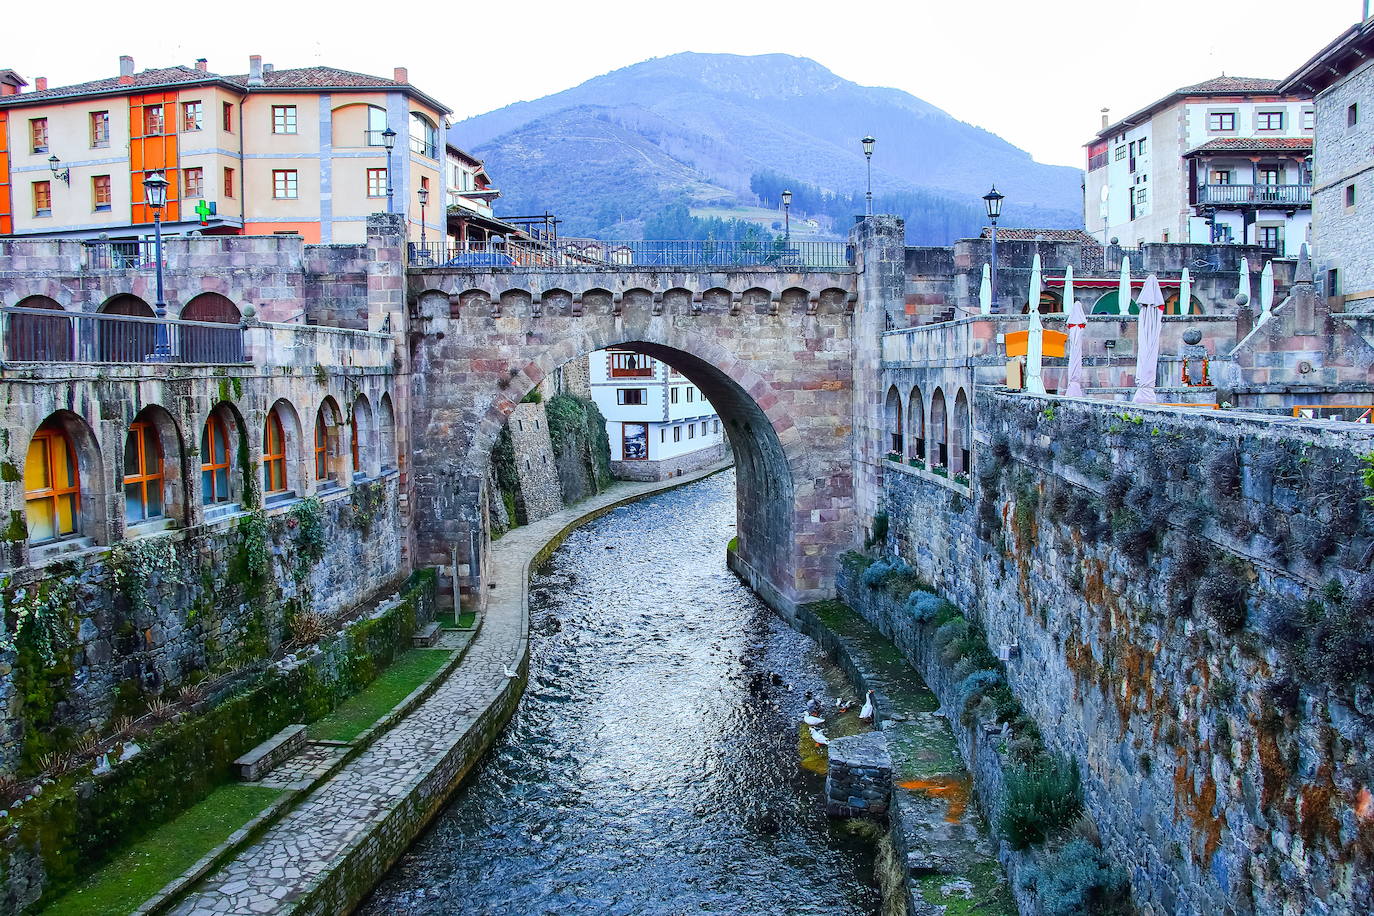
[(813, 720), (867, 712), (819, 737)]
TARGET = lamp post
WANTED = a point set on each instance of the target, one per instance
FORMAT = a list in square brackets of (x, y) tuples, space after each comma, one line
[(868, 142), (994, 205), (423, 194), (155, 196), (389, 141), (58, 172), (787, 217)]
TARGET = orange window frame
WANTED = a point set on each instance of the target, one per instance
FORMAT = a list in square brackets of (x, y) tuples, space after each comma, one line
[(353, 434), (52, 441), (274, 455), (217, 459), (321, 448), (144, 478)]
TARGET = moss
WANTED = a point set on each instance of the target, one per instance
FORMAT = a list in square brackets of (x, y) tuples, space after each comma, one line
[(367, 500), (9, 473), (18, 529)]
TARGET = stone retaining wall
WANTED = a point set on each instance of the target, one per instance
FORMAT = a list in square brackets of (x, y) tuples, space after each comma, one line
[(671, 467)]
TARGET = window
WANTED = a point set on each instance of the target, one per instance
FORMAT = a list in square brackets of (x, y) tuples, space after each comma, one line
[(228, 182), (1352, 114), (1221, 120), (672, 395), (629, 395), (227, 116), (376, 182), (38, 134), (1333, 282), (424, 136), (214, 468), (192, 116), (376, 126), (283, 119), (42, 198), (1269, 175), (1349, 194), (284, 184), (1309, 119), (691, 394), (321, 447), (1221, 176), (274, 455), (193, 180), (630, 365), (152, 120), (1120, 153), (100, 129), (1141, 195), (662, 434), (1269, 120), (1271, 237), (100, 193), (677, 433), (715, 426), (142, 473), (52, 485), (691, 430)]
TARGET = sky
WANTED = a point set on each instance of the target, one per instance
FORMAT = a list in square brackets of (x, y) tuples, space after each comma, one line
[(1036, 72)]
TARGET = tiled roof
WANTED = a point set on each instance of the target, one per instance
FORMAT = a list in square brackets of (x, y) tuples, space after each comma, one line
[(1047, 235), (318, 78), (1255, 144), (159, 77), (1232, 84)]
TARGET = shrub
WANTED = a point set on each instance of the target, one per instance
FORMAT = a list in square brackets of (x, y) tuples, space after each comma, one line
[(976, 686), (1221, 594), (925, 607), (879, 535), (893, 576), (1039, 801), (855, 563), (1077, 880)]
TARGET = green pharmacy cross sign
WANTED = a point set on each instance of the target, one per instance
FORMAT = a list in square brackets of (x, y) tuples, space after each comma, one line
[(205, 210)]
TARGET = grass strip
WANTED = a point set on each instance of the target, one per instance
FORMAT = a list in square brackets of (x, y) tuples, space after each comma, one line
[(393, 685), (467, 619), (140, 871)]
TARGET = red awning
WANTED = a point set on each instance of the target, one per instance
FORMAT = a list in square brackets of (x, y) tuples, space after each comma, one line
[(1106, 282)]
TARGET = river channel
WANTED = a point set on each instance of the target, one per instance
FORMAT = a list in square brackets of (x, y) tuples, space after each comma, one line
[(652, 766)]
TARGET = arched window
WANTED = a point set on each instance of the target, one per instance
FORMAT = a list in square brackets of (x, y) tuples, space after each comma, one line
[(143, 476), (424, 136), (386, 433), (362, 435), (321, 447), (893, 414), (211, 345), (939, 430), (916, 422), (38, 338), (960, 434), (214, 453), (1171, 304), (273, 455), (123, 341), (376, 125), (52, 485)]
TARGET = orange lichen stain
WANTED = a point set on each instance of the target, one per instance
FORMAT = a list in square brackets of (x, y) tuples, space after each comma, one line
[(955, 790), (1316, 809), (1199, 804), (1273, 769), (1364, 805)]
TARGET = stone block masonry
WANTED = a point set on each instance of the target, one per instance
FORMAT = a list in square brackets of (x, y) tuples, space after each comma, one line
[(534, 461), (858, 778)]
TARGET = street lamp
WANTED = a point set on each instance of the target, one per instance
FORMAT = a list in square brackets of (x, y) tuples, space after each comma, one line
[(60, 174), (389, 141), (994, 205), (423, 194), (868, 142), (786, 216), (155, 196)]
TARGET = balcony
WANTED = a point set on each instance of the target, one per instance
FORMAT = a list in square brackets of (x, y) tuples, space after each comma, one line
[(1255, 195)]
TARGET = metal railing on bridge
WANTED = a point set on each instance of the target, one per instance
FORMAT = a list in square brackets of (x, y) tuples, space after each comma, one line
[(128, 254), (55, 336), (571, 254)]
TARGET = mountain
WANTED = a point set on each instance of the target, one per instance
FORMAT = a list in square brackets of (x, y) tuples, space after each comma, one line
[(700, 128)]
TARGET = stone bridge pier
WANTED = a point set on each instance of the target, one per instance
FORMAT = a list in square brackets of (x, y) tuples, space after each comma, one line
[(771, 348)]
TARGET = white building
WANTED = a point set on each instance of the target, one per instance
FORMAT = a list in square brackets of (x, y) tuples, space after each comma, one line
[(1226, 160), (659, 423)]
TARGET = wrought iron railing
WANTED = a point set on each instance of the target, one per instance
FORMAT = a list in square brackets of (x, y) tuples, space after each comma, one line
[(1279, 195), (56, 336), (135, 254), (565, 254)]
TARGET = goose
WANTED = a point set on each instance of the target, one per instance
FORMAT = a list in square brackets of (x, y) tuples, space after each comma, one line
[(867, 712), (812, 720), (819, 737)]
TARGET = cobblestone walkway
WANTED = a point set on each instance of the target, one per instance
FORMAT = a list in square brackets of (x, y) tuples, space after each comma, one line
[(297, 851), (304, 768)]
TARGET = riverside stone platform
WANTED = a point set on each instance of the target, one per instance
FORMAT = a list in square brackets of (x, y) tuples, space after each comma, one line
[(325, 854)]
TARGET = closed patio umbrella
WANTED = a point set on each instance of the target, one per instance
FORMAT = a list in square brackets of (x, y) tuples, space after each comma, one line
[(985, 292), (1244, 285), (1067, 301), (1147, 341), (1123, 289), (1035, 339), (1266, 291), (1185, 293), (1078, 326)]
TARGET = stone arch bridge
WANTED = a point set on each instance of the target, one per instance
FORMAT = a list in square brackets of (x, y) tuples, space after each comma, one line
[(771, 347)]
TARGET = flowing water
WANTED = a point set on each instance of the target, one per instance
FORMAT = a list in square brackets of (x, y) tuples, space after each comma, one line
[(652, 767)]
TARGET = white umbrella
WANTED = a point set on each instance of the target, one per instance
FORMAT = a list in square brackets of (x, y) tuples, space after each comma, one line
[(1123, 289), (1185, 293), (1035, 339), (985, 292), (1267, 291), (1068, 286), (1078, 326), (1148, 326), (1244, 286)]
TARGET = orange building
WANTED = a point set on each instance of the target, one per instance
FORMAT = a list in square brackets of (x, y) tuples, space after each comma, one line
[(272, 151)]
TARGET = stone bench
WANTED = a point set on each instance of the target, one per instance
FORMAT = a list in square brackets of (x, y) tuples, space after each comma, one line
[(260, 761), (427, 637)]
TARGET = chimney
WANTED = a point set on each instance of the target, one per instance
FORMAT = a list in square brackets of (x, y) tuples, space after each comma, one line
[(400, 75), (40, 83), (267, 68), (255, 70), (126, 69), (1104, 118), (202, 65)]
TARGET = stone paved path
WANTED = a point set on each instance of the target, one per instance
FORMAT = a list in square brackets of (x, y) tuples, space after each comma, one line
[(304, 768), (292, 856)]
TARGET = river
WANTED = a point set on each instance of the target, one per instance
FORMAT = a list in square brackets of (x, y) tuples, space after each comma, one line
[(652, 766)]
